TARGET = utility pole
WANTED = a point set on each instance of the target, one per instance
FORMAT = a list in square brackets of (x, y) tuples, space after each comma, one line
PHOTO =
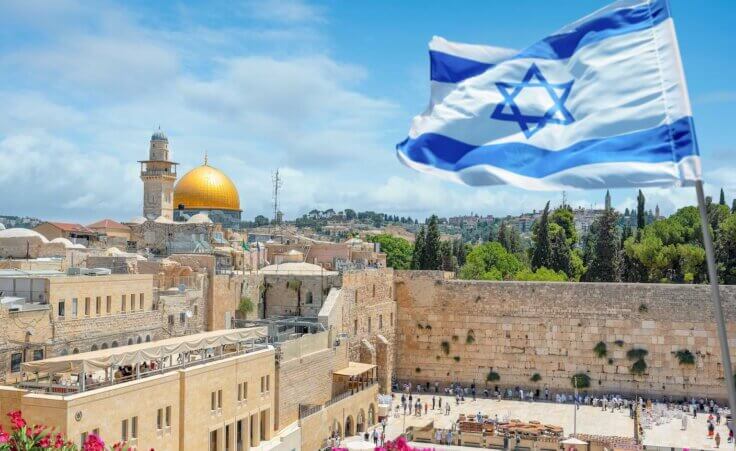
[(277, 184)]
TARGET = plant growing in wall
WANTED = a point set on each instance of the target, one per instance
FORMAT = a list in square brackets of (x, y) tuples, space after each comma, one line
[(643, 308), (619, 343), (456, 358), (600, 349), (428, 327), (637, 355), (245, 307), (580, 380), (419, 325), (445, 345), (418, 370), (455, 338), (493, 376), (470, 339), (536, 377), (685, 357)]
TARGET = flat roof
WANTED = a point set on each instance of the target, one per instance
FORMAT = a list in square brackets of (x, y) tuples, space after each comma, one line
[(354, 369)]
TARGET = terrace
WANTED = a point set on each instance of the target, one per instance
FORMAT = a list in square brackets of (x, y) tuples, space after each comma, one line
[(78, 373)]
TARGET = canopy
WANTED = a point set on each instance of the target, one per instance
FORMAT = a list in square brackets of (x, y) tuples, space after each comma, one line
[(138, 353), (573, 441), (354, 369)]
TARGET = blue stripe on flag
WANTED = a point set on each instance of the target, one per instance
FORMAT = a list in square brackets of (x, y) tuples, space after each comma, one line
[(657, 145), (454, 69)]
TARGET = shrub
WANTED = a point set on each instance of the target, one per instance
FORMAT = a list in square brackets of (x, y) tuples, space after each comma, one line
[(685, 357), (636, 354), (419, 325), (456, 358), (455, 338), (619, 343), (600, 349), (536, 377), (246, 306), (639, 367), (643, 308), (445, 345), (470, 339), (493, 376), (428, 327), (418, 370), (580, 380)]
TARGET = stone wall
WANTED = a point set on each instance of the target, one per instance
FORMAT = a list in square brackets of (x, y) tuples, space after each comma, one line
[(25, 332), (368, 317), (522, 328), (252, 286), (282, 298), (226, 291)]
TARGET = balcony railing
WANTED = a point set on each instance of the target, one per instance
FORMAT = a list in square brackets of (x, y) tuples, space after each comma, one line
[(308, 410)]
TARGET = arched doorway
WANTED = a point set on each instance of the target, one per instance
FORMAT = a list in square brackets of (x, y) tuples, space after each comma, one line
[(336, 428), (349, 426), (139, 340), (75, 351), (360, 422), (104, 346), (94, 347), (130, 341), (371, 415), (148, 338), (114, 344)]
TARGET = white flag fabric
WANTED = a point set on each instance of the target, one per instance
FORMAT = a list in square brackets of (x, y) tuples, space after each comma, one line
[(602, 103)]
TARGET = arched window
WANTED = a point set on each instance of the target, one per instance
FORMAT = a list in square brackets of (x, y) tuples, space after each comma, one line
[(114, 344), (104, 346), (94, 347), (75, 351), (148, 338), (130, 341), (139, 340)]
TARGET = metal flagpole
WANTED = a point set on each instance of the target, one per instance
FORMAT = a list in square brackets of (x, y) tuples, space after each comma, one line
[(716, 298)]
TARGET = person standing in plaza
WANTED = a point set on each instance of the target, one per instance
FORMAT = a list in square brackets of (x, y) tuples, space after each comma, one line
[(718, 439), (433, 402), (439, 401)]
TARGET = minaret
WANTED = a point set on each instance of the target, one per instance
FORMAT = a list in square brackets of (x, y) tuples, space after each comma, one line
[(158, 174), (608, 200), (656, 212)]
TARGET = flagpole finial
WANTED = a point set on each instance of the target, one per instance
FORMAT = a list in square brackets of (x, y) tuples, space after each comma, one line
[(205, 158)]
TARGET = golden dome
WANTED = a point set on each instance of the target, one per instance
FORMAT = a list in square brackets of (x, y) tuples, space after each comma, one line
[(206, 188)]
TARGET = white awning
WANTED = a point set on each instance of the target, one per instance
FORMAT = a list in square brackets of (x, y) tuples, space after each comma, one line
[(354, 369), (143, 352)]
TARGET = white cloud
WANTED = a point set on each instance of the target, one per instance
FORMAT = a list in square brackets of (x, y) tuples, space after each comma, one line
[(290, 11)]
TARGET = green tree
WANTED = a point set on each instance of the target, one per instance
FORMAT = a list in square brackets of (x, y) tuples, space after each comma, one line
[(560, 258), (449, 261), (432, 252), (541, 275), (490, 261), (260, 221), (542, 254), (604, 266), (726, 250), (640, 215), (564, 218), (398, 250), (417, 257), (460, 250)]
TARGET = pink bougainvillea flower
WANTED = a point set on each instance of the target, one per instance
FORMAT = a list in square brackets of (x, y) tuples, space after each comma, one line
[(16, 419), (93, 443), (4, 436)]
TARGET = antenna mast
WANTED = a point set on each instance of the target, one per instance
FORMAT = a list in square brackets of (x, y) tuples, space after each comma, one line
[(277, 184)]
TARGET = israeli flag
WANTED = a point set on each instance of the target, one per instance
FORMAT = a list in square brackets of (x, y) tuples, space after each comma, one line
[(600, 104)]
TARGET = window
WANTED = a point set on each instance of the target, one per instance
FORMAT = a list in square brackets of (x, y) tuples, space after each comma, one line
[(268, 382), (124, 431), (374, 290), (74, 307), (380, 321), (171, 320), (168, 416), (140, 300), (182, 317), (82, 438), (108, 307), (265, 383), (196, 310), (61, 309), (123, 301), (15, 360), (98, 305), (219, 399), (309, 297), (392, 319), (355, 327), (38, 354), (160, 419), (243, 391), (213, 401), (86, 306), (134, 427), (132, 302), (213, 440), (369, 324)]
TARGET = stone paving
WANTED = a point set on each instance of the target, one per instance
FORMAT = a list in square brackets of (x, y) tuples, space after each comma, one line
[(590, 420)]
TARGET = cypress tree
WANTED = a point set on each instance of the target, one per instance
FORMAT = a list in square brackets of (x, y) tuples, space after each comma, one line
[(460, 252), (560, 253), (640, 218), (733, 206), (418, 255), (432, 251), (502, 237), (605, 265), (542, 256), (722, 200)]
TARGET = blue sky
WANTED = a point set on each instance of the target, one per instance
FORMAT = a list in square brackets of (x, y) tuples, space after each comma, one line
[(322, 90)]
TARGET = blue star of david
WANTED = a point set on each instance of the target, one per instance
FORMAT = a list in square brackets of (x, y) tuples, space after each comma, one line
[(530, 124)]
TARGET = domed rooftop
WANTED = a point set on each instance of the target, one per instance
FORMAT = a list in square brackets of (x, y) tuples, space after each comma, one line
[(206, 188), (297, 268), (22, 233), (63, 241), (159, 135)]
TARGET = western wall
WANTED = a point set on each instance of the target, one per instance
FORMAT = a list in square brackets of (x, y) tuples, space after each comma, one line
[(463, 331)]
